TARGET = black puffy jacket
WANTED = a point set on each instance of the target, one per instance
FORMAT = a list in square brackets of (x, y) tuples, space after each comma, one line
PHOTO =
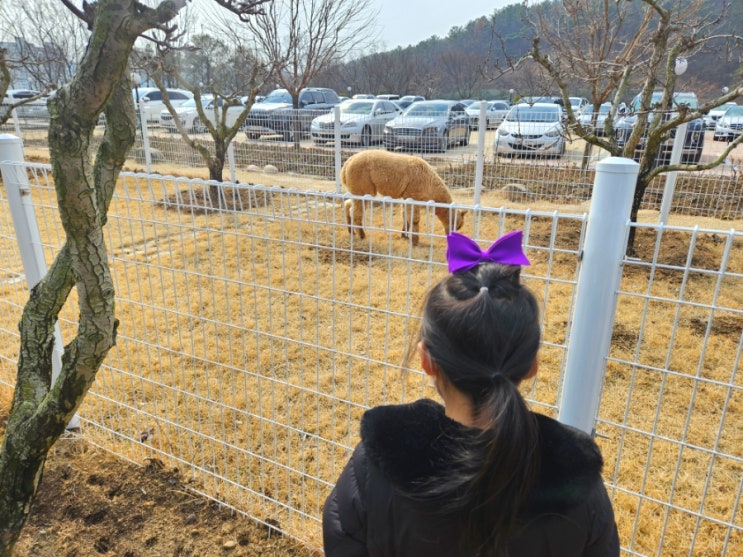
[(368, 513)]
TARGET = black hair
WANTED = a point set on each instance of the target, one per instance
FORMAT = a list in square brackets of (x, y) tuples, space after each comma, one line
[(481, 329)]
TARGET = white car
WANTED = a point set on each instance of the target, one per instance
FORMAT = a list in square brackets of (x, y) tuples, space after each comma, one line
[(729, 125), (597, 127), (32, 109), (151, 100), (711, 118), (362, 121), (188, 114), (531, 130), (579, 105), (495, 111)]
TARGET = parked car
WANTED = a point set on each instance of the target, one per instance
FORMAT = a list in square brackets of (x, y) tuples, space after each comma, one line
[(597, 125), (405, 101), (188, 114), (730, 125), (388, 97), (532, 130), (151, 100), (32, 109), (363, 96), (495, 111), (361, 121), (579, 105), (428, 126), (710, 119), (693, 142), (275, 114)]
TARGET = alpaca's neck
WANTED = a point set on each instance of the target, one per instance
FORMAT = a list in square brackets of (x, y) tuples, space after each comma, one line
[(441, 194)]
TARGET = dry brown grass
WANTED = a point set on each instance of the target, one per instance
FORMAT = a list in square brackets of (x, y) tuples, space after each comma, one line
[(293, 403)]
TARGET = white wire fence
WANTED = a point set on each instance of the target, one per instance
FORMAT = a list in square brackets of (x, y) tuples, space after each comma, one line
[(253, 336), (526, 175)]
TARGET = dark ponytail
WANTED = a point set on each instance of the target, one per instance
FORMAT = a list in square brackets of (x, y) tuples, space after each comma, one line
[(481, 328)]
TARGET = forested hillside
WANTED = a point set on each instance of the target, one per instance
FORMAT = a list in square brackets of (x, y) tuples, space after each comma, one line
[(461, 65)]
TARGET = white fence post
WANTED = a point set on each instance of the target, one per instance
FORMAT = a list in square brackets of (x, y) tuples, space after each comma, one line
[(231, 162), (337, 146), (482, 126), (670, 185), (145, 139), (17, 125), (603, 251), (22, 212)]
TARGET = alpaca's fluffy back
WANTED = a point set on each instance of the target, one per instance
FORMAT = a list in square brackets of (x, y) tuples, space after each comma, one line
[(395, 175)]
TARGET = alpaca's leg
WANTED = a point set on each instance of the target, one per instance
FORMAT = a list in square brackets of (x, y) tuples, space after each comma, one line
[(358, 217), (415, 224), (405, 221), (347, 211)]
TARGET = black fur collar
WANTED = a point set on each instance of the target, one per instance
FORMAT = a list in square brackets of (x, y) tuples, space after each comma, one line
[(412, 442)]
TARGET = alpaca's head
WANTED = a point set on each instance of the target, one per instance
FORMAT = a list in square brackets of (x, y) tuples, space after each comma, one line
[(455, 217)]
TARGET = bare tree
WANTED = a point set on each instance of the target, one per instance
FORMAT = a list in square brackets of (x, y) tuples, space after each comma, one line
[(44, 40), (301, 37), (41, 42), (84, 185), (463, 68), (614, 47), (221, 127)]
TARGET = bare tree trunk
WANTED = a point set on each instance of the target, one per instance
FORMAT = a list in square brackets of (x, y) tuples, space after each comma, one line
[(41, 410)]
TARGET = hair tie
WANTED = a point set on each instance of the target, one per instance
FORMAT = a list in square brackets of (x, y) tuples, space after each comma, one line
[(483, 289), (464, 254)]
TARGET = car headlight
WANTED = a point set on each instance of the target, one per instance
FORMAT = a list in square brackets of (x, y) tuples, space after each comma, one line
[(553, 133), (387, 129), (503, 132), (350, 125)]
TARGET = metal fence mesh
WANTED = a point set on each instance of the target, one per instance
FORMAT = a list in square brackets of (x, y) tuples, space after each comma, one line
[(255, 331), (566, 180)]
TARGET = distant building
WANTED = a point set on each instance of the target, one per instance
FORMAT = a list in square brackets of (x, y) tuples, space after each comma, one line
[(36, 67)]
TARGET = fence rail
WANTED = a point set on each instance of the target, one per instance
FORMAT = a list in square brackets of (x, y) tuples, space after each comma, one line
[(254, 335), (566, 180)]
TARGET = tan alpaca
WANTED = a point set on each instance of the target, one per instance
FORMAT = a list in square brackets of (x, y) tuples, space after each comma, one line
[(400, 176)]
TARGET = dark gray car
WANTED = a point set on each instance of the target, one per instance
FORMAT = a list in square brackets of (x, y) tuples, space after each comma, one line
[(275, 114), (428, 126)]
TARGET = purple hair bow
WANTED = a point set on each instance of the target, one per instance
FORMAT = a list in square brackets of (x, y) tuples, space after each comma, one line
[(463, 254)]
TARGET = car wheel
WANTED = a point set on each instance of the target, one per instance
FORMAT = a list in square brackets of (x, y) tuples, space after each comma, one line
[(365, 137), (444, 142), (466, 139)]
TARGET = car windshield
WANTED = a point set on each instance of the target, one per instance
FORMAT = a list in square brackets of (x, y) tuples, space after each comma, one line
[(736, 111), (420, 109), (529, 113), (278, 96), (475, 106), (353, 107), (191, 103), (678, 98)]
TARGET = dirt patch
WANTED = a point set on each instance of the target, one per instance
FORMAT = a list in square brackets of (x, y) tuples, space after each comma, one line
[(91, 503)]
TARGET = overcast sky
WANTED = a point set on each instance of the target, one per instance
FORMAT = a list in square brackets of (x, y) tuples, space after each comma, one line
[(406, 22)]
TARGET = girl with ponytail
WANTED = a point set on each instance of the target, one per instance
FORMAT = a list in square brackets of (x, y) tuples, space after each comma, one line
[(482, 475)]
